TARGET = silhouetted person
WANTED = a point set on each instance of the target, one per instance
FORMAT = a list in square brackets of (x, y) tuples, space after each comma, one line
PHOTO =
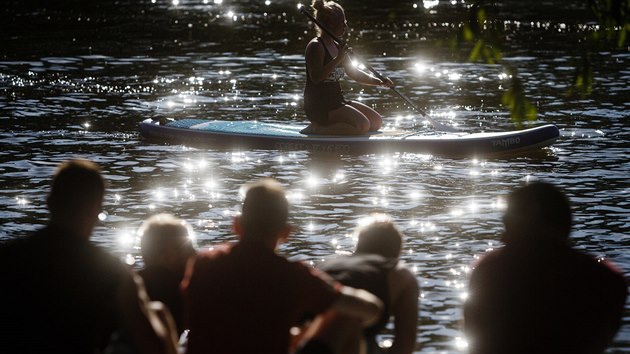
[(60, 293), (375, 267), (244, 298), (166, 247), (537, 294)]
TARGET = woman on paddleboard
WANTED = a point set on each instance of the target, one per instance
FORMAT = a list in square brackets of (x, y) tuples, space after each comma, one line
[(326, 63)]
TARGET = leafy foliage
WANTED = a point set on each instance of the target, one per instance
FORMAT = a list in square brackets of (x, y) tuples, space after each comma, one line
[(613, 29), (486, 49), (514, 98), (583, 80), (613, 18)]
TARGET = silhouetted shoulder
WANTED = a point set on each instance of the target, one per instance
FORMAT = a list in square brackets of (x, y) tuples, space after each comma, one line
[(489, 260), (602, 272)]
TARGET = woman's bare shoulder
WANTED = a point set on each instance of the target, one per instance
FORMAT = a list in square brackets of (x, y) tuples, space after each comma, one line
[(315, 44)]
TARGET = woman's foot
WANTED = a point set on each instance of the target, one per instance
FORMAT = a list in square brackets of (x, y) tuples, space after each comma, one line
[(310, 129), (332, 129)]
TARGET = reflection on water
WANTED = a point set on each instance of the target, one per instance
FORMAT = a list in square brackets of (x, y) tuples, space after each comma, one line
[(77, 81)]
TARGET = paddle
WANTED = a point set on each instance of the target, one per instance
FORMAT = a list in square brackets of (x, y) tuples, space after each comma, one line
[(436, 125)]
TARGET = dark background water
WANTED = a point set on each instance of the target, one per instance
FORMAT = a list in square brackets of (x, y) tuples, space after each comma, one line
[(76, 77)]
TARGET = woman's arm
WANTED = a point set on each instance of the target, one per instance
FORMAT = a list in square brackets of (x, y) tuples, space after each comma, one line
[(360, 76), (404, 308)]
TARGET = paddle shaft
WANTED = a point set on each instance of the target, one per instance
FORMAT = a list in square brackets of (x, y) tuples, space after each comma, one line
[(340, 42)]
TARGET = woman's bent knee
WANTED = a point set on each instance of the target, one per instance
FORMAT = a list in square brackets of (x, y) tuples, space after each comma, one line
[(364, 126), (376, 123), (351, 116), (374, 118)]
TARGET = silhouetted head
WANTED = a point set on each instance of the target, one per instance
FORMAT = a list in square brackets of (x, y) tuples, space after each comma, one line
[(331, 15), (76, 196), (537, 214), (379, 236), (264, 213), (166, 241)]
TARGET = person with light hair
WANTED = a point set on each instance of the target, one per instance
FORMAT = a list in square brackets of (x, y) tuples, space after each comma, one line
[(375, 267), (166, 244)]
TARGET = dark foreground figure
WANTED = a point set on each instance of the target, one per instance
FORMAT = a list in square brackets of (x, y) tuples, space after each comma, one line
[(61, 294), (375, 267), (243, 298), (538, 294)]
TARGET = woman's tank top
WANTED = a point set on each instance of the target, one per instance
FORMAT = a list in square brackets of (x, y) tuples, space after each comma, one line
[(322, 97)]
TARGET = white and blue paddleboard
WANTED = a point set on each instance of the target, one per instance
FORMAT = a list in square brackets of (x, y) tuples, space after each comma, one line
[(240, 135)]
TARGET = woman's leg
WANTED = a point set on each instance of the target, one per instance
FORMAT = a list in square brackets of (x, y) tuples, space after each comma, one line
[(376, 121), (345, 120), (348, 119), (355, 121)]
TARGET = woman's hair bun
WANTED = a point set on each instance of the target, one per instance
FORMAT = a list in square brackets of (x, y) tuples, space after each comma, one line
[(318, 4)]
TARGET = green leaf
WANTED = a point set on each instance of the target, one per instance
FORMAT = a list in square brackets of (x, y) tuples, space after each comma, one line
[(532, 112), (498, 56), (622, 36), (595, 36), (507, 99), (474, 53), (579, 82), (468, 34), (481, 16)]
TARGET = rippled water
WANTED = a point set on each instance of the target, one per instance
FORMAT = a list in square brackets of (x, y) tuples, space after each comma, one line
[(76, 79)]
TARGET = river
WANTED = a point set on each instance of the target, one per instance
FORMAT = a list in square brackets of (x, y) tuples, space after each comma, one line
[(77, 77)]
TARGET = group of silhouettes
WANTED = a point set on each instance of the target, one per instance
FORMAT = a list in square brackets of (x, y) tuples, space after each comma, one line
[(60, 293)]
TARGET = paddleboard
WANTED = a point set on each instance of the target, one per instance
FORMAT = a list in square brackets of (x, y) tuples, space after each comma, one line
[(241, 135)]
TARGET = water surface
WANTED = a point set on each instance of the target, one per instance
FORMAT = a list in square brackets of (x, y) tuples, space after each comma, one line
[(76, 79)]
